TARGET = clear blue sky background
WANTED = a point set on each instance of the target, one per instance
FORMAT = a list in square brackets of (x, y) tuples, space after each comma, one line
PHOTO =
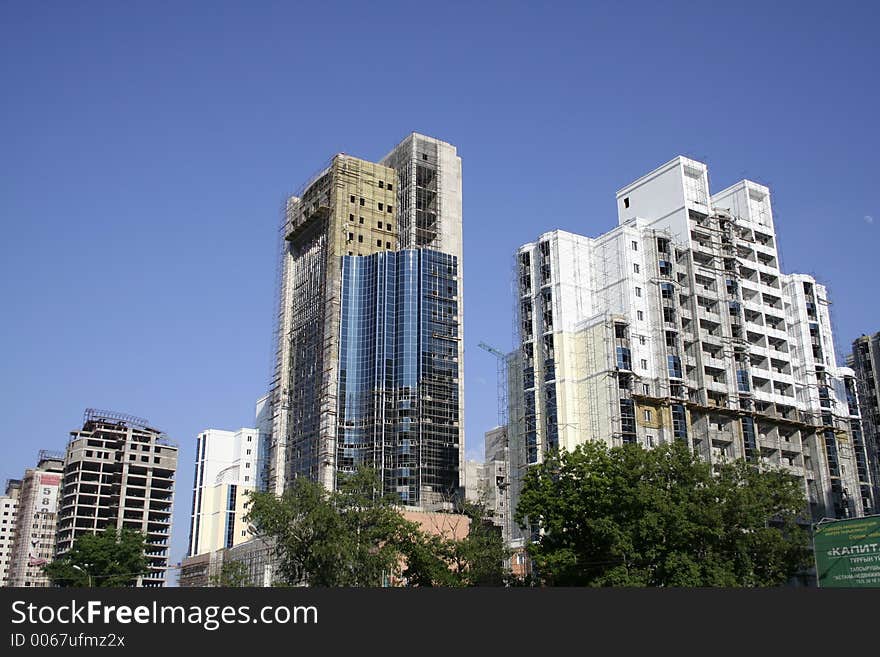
[(146, 148)]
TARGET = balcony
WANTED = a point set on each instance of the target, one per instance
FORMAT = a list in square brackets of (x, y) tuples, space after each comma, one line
[(716, 385)]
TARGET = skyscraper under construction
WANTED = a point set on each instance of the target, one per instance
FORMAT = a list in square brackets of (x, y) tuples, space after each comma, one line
[(679, 325), (368, 367)]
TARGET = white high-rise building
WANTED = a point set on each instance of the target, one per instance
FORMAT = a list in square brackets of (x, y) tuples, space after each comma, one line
[(679, 324), (33, 543), (9, 511), (226, 468)]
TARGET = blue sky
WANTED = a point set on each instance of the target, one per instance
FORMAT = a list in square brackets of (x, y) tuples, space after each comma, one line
[(146, 148)]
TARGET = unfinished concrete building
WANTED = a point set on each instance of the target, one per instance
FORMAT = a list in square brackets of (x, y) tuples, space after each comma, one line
[(119, 472), (33, 542), (335, 231), (679, 325), (865, 361)]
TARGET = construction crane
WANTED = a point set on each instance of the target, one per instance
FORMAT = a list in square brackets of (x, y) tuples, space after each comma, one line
[(502, 381)]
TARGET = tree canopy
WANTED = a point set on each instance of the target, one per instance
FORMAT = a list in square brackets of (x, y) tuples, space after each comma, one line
[(110, 558), (627, 516), (356, 536)]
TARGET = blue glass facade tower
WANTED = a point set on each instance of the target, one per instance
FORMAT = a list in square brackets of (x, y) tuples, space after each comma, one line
[(398, 403)]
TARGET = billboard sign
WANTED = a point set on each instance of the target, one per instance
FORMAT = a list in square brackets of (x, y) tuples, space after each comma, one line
[(848, 553)]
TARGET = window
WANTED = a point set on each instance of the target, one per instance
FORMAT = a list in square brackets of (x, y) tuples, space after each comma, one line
[(640, 315), (247, 478), (679, 421), (351, 237), (389, 188), (381, 206), (636, 268), (361, 220), (635, 245), (646, 389), (626, 202), (390, 208), (644, 364), (379, 243), (351, 217), (638, 291), (352, 198), (250, 438), (379, 225), (247, 465), (387, 226), (425, 156), (381, 184), (387, 245), (360, 238), (642, 339), (648, 415), (649, 441), (248, 451)]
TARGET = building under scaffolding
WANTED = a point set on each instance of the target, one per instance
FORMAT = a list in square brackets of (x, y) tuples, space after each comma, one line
[(338, 225), (865, 361), (679, 325)]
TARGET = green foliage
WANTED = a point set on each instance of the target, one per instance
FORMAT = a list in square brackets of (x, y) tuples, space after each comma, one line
[(476, 560), (627, 516), (480, 556), (107, 559), (233, 574), (350, 537), (356, 536)]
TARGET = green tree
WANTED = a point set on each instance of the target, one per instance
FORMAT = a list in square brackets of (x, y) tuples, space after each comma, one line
[(475, 560), (233, 574), (108, 559), (351, 537), (627, 516), (481, 555)]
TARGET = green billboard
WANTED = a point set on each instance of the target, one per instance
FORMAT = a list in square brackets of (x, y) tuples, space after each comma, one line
[(848, 552)]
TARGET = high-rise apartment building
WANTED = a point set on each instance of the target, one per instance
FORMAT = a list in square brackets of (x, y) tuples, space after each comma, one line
[(9, 511), (865, 361), (340, 261), (226, 469), (34, 541), (678, 324), (119, 472)]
